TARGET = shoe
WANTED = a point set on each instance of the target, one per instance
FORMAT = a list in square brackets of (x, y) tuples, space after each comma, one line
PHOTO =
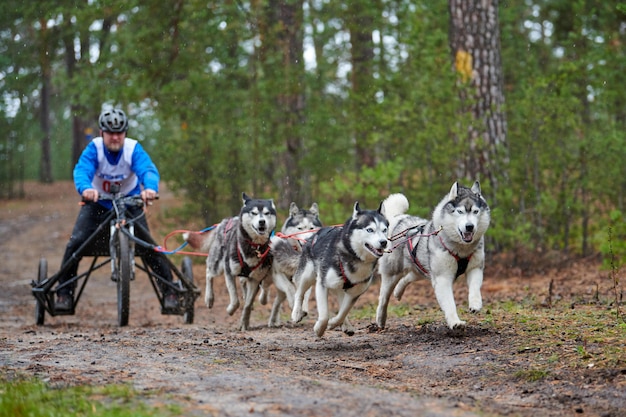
[(170, 302), (64, 302)]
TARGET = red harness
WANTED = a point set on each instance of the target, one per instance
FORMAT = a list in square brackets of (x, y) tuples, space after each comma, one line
[(461, 262), (246, 270), (261, 252)]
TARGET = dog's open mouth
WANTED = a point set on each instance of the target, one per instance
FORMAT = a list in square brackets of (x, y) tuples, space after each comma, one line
[(467, 236), (375, 251), (261, 229)]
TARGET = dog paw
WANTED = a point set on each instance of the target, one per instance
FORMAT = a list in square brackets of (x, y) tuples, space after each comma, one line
[(475, 309), (297, 317), (348, 330), (209, 302), (320, 328), (459, 325), (232, 308), (332, 323), (398, 293)]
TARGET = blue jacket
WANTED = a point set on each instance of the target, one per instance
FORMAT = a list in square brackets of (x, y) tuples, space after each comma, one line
[(139, 164)]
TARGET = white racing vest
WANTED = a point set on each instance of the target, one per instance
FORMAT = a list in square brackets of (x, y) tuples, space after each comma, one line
[(122, 174)]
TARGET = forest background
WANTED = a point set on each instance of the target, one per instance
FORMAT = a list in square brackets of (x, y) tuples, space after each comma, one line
[(337, 101)]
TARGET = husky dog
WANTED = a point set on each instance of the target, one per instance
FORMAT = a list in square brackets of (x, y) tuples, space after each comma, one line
[(239, 246), (286, 249), (448, 245), (340, 260)]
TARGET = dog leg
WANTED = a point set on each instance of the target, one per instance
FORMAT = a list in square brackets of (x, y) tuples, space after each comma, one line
[(265, 289), (209, 297), (404, 282), (231, 285), (275, 314), (250, 293), (387, 284), (346, 302), (263, 294), (474, 282), (321, 297), (284, 285), (305, 281), (445, 296), (305, 302), (285, 291)]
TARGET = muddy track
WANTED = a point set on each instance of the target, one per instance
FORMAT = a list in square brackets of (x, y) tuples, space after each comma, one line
[(210, 368)]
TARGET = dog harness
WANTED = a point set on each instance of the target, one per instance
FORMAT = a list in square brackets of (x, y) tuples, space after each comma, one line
[(347, 284), (261, 252), (460, 262)]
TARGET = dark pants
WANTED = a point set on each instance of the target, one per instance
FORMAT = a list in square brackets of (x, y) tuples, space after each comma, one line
[(91, 215)]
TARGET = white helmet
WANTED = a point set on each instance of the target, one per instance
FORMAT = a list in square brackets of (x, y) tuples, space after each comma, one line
[(113, 120)]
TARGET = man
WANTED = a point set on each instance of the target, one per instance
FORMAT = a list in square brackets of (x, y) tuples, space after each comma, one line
[(109, 159)]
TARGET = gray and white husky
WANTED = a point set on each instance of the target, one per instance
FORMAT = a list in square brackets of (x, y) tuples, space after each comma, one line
[(286, 249), (239, 246), (448, 245), (340, 260)]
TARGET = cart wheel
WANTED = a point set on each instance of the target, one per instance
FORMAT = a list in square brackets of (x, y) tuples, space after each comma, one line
[(187, 272), (40, 309), (123, 279)]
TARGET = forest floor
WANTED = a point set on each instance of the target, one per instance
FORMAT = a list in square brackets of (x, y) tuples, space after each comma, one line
[(548, 342)]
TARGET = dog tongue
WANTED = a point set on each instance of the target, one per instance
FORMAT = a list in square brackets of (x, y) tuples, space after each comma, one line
[(468, 236)]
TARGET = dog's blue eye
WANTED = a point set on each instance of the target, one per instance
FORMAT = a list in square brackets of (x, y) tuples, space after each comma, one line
[(370, 230)]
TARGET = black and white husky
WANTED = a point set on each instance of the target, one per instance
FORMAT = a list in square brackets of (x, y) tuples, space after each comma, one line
[(286, 249), (448, 245), (239, 247), (340, 260)]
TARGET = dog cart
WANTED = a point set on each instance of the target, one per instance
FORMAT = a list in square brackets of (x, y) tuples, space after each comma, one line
[(114, 243)]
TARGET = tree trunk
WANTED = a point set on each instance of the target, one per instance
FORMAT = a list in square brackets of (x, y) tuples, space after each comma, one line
[(360, 19), (78, 126), (45, 167), (475, 47), (291, 100), (282, 59)]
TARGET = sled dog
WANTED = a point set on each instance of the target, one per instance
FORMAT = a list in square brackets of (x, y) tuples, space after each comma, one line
[(448, 245), (340, 260), (286, 249), (239, 246)]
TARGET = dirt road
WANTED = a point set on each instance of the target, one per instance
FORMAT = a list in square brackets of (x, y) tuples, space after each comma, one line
[(413, 368)]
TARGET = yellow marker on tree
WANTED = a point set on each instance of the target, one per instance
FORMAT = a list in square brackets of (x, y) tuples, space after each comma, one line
[(463, 64)]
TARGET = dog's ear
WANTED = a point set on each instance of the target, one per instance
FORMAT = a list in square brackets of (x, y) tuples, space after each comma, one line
[(293, 209), (314, 210), (245, 198), (356, 210), (273, 205), (476, 189), (454, 192), (380, 208)]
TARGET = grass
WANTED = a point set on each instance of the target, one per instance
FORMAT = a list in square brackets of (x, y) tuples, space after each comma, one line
[(21, 397)]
